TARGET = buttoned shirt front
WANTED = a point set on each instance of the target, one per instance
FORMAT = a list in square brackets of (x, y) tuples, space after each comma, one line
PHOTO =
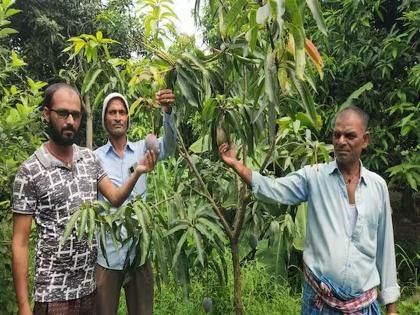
[(50, 191), (118, 170), (357, 262)]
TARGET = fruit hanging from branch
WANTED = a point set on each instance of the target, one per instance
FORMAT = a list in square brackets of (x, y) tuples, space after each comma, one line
[(207, 304)]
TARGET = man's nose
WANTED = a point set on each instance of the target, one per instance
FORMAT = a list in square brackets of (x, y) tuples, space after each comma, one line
[(70, 119), (341, 140)]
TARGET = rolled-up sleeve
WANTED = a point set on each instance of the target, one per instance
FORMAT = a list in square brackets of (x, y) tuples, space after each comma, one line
[(167, 143), (385, 256)]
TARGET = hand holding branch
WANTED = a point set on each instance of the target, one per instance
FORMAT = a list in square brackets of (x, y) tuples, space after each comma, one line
[(165, 98)]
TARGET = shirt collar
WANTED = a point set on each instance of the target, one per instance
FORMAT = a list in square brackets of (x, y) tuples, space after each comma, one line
[(48, 160), (332, 167), (129, 146)]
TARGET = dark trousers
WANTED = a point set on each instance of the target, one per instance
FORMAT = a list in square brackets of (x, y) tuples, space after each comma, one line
[(138, 291), (84, 306)]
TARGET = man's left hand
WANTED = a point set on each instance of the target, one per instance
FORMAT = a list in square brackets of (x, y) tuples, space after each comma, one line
[(147, 162), (165, 98)]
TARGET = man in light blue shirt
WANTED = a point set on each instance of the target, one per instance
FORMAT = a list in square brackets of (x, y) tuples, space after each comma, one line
[(349, 246), (117, 156)]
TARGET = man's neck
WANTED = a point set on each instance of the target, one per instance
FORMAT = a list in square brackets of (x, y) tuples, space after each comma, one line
[(64, 153), (119, 143), (350, 169), (59, 149)]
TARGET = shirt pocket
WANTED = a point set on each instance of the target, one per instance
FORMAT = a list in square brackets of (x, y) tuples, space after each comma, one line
[(368, 238)]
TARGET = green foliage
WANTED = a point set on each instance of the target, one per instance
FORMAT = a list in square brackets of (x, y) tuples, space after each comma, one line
[(44, 27), (371, 48), (261, 293), (20, 134), (158, 17)]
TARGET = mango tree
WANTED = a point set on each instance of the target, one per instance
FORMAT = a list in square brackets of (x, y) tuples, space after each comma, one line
[(255, 76), (92, 69)]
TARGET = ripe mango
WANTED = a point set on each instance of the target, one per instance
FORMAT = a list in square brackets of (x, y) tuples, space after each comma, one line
[(152, 143)]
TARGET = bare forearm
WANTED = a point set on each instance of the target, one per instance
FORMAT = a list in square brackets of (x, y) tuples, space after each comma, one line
[(20, 273), (391, 308), (244, 172), (117, 196)]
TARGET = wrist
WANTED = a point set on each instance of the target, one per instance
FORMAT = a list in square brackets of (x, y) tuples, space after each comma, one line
[(167, 109)]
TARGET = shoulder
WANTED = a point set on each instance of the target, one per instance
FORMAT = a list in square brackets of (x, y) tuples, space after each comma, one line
[(317, 169), (85, 153), (374, 178), (30, 165), (102, 150)]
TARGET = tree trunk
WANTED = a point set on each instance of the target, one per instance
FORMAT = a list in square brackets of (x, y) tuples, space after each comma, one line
[(236, 277), (89, 123)]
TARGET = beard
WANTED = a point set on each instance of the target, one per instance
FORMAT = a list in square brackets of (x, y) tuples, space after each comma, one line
[(58, 136)]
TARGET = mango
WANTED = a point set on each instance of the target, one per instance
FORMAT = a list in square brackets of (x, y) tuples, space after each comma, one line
[(152, 143)]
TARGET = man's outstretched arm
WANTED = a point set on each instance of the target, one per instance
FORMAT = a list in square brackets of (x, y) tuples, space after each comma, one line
[(117, 195), (228, 156)]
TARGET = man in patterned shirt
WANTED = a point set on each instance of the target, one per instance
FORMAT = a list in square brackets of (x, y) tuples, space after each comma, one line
[(53, 183)]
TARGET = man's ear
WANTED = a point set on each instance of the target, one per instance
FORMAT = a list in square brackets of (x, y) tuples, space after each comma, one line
[(45, 114), (366, 139)]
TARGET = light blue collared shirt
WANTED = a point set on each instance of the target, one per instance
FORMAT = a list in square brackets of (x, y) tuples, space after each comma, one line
[(117, 169), (358, 262)]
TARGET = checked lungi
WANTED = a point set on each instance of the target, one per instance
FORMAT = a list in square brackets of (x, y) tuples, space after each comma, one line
[(323, 296)]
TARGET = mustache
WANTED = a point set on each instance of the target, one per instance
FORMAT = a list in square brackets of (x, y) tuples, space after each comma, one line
[(68, 128)]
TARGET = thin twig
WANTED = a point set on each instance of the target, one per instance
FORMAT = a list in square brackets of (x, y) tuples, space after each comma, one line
[(187, 157)]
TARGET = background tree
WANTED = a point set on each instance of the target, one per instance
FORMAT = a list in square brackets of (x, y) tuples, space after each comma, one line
[(45, 25), (372, 61)]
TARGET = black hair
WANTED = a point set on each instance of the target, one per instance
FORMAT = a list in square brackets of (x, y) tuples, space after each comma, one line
[(50, 91), (358, 111)]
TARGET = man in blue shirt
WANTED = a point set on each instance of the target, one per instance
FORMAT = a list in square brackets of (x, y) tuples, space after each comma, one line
[(117, 156), (349, 246)]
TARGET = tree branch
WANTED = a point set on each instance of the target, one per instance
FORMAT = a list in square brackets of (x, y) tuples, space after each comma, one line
[(187, 157)]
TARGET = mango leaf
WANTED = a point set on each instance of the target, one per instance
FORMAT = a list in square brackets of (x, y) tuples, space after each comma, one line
[(12, 11), (280, 9), (315, 57), (186, 90), (7, 31), (234, 12), (178, 249), (317, 14), (199, 246), (300, 225), (16, 61), (90, 79), (306, 97), (201, 145), (355, 95), (263, 13), (99, 36), (298, 35), (35, 86)]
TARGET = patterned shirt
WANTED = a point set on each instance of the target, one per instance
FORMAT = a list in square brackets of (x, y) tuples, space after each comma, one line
[(356, 262), (51, 192)]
